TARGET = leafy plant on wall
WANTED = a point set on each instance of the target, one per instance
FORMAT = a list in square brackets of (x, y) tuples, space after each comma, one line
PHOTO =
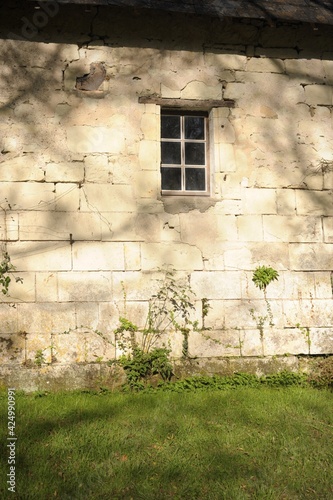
[(144, 351), (262, 277)]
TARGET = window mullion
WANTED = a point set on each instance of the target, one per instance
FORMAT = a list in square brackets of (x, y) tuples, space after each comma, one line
[(182, 138)]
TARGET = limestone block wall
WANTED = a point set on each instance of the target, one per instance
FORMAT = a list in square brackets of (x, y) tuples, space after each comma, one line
[(81, 211)]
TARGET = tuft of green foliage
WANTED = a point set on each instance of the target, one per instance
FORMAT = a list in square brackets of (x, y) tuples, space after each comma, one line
[(322, 375), (263, 276), (216, 382), (139, 366), (39, 358), (6, 268)]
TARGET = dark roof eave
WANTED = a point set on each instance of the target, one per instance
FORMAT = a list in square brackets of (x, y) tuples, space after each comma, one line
[(308, 11)]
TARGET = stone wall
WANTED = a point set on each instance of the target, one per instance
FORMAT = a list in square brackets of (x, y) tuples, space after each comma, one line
[(82, 216)]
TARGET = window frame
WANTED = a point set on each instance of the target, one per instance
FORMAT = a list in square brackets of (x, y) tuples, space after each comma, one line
[(206, 167)]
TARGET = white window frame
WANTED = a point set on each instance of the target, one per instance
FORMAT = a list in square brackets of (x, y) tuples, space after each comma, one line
[(206, 167)]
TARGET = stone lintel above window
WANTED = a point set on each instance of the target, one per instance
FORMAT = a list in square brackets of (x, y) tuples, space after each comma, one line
[(190, 104)]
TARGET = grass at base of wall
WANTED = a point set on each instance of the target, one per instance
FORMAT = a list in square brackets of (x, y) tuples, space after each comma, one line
[(243, 443)]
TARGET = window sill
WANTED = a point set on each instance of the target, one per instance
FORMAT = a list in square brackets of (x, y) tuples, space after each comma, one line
[(184, 203)]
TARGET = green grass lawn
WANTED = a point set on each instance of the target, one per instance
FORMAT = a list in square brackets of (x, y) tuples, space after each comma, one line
[(234, 444)]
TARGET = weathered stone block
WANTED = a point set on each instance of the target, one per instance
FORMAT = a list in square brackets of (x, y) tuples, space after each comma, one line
[(135, 286), (46, 318), (250, 343), (46, 287), (225, 158), (38, 348), (87, 139), (286, 201), (8, 319), (265, 65), (8, 226), (60, 225), (28, 195), (318, 95), (299, 285), (285, 341), (323, 285), (314, 202), (307, 70), (311, 256), (12, 348), (225, 61), (97, 169), (22, 168), (83, 345), (170, 93), (179, 255), (149, 153), (150, 126), (259, 201), (40, 256), (205, 230), (292, 228), (108, 317), (248, 256), (64, 172), (119, 226), (67, 197), (328, 229), (84, 286), (250, 227), (210, 343), (132, 256), (200, 90), (216, 285), (308, 313), (101, 256), (107, 198), (20, 291), (321, 341)]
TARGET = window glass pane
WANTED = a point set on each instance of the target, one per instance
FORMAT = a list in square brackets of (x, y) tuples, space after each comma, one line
[(170, 153), (194, 153), (171, 178), (170, 127), (195, 179), (194, 127)]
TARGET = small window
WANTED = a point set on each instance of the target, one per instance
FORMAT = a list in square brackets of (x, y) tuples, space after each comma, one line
[(184, 158)]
